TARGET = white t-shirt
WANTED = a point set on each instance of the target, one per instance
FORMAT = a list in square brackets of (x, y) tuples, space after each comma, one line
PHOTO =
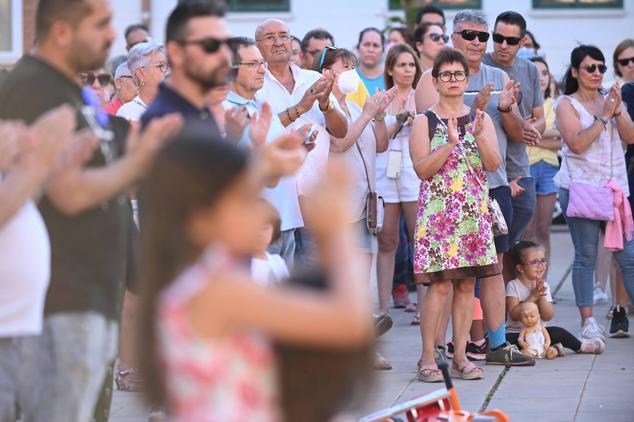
[(269, 271), (517, 289), (133, 110), (25, 271)]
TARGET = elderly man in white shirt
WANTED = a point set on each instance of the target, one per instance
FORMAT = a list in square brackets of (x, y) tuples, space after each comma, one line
[(293, 92)]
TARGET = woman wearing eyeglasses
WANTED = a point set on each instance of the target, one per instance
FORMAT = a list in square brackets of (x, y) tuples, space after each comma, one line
[(592, 126), (429, 39), (100, 82), (451, 149), (148, 66)]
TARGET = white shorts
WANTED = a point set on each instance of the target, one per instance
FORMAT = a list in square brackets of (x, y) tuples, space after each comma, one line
[(404, 189)]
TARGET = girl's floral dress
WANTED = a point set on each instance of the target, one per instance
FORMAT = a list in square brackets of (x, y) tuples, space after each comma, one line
[(453, 236)]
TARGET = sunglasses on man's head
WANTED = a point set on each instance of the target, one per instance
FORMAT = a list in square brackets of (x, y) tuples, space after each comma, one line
[(625, 61), (209, 45), (438, 37), (593, 67), (470, 35), (88, 78), (499, 39)]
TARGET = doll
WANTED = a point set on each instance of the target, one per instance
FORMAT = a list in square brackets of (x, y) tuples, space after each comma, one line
[(534, 339)]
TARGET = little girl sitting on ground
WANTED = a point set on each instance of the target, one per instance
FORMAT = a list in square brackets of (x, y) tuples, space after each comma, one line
[(530, 265)]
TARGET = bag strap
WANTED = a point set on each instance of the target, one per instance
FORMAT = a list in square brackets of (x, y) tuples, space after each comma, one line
[(473, 173), (365, 167)]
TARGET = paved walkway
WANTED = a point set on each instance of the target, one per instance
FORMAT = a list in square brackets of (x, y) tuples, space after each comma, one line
[(581, 388)]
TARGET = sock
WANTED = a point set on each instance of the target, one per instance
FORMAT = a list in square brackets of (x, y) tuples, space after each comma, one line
[(497, 337), (480, 342)]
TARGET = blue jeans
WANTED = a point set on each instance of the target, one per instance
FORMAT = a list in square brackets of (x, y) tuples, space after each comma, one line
[(523, 208), (585, 238)]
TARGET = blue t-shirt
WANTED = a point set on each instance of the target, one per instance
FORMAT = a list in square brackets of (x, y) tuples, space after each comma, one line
[(372, 84)]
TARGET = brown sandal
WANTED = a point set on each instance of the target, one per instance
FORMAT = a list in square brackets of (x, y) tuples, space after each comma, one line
[(429, 375), (469, 371)]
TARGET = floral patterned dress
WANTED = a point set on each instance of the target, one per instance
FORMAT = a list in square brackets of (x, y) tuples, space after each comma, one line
[(453, 236), (232, 379)]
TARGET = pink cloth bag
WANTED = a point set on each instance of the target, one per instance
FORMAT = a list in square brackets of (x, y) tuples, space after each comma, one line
[(622, 224)]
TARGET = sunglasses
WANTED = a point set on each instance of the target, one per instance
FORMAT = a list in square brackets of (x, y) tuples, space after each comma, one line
[(470, 35), (459, 76), (593, 67), (499, 39), (438, 37), (624, 62), (323, 56), (209, 45), (88, 78)]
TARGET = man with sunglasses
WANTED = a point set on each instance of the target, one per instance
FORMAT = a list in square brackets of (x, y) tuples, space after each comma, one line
[(196, 40), (509, 36), (314, 42), (490, 90), (295, 93)]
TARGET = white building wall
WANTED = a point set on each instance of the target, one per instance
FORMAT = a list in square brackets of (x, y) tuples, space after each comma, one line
[(558, 31)]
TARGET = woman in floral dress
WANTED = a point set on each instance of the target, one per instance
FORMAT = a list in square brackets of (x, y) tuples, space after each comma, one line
[(451, 148)]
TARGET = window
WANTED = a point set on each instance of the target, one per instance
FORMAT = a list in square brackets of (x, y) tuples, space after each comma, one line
[(577, 4), (10, 31), (444, 4), (259, 5)]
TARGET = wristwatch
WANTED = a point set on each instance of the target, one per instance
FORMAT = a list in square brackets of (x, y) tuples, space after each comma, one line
[(508, 110), (329, 108)]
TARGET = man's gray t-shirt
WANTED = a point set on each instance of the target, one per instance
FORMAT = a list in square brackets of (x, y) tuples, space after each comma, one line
[(525, 72), (477, 81)]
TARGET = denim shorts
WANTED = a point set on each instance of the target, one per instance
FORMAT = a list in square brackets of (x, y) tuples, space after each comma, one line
[(502, 194), (543, 174)]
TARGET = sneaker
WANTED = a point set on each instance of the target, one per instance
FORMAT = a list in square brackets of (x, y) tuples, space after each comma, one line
[(382, 324), (590, 328), (593, 346), (449, 350), (475, 352), (599, 295), (400, 296), (610, 312), (619, 327), (440, 355), (508, 355)]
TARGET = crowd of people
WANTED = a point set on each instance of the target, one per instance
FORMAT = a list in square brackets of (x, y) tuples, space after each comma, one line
[(197, 220)]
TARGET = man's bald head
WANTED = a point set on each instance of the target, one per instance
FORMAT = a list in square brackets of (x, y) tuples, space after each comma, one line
[(270, 25)]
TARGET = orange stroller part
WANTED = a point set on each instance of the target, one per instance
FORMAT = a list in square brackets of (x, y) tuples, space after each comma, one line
[(439, 406)]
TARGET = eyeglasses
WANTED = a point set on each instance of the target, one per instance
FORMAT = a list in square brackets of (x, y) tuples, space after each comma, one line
[(593, 67), (458, 76), (438, 37), (163, 66), (125, 77), (323, 56), (271, 38), (470, 35), (209, 45), (88, 78), (625, 61), (499, 39), (254, 65), (535, 262)]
